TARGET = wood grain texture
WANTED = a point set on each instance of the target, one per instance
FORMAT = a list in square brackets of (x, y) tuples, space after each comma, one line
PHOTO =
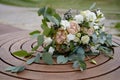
[(106, 69)]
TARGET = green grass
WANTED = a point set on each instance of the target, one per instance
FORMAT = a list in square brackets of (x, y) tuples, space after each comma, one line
[(108, 6)]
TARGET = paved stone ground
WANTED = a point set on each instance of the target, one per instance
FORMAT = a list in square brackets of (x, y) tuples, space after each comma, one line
[(27, 18)]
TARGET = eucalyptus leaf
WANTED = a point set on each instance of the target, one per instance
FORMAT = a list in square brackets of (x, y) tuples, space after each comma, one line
[(30, 61), (80, 53), (47, 58), (15, 69), (35, 59), (75, 64), (62, 60), (21, 53), (53, 19)]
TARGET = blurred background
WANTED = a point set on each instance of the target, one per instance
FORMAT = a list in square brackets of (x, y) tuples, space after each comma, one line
[(23, 13)]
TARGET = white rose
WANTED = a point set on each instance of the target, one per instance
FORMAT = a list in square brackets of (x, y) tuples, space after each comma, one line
[(79, 18), (47, 41), (89, 16), (85, 39), (65, 24), (96, 27), (51, 50), (70, 37)]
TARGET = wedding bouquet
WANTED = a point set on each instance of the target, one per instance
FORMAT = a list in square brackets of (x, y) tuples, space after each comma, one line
[(69, 39)]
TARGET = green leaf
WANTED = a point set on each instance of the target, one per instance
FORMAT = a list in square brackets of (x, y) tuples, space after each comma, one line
[(35, 59), (79, 64), (57, 16), (21, 53), (34, 32), (35, 48), (47, 58), (40, 40), (80, 53), (46, 29), (82, 65), (41, 11), (53, 19), (15, 69), (62, 60)]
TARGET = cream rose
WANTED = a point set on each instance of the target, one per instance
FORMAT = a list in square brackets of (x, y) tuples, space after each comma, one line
[(74, 27), (65, 24), (60, 36), (85, 39)]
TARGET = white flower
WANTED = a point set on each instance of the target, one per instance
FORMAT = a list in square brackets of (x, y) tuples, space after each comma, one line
[(100, 16), (89, 16), (47, 41), (96, 27), (79, 18), (51, 50), (85, 39), (76, 39), (78, 34), (70, 37), (65, 24), (103, 28)]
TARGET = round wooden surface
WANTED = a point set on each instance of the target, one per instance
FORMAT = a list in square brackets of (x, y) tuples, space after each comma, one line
[(21, 41)]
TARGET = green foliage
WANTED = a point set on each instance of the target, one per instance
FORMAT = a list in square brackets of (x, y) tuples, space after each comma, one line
[(80, 53), (46, 29), (35, 48), (35, 33), (107, 51), (35, 59), (15, 69), (62, 60), (47, 58), (79, 64), (21, 53), (49, 15), (40, 40)]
